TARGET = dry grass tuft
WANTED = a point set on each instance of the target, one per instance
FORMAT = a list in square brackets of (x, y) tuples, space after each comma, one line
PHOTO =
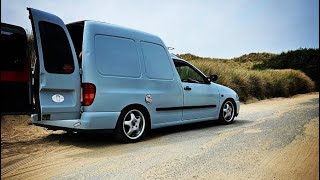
[(257, 84)]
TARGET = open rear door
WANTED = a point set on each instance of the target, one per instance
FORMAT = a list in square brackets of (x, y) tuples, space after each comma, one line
[(56, 77)]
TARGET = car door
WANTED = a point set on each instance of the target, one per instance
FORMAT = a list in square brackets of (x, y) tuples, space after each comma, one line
[(57, 79), (201, 98)]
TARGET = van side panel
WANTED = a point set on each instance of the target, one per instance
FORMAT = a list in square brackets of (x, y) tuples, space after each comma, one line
[(165, 86), (124, 81), (157, 62), (117, 57)]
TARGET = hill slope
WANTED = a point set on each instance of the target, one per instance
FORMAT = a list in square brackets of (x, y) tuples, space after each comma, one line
[(253, 77)]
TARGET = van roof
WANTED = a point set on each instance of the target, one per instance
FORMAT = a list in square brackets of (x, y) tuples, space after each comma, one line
[(116, 30)]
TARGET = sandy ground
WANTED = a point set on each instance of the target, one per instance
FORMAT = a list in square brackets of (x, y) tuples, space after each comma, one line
[(271, 139)]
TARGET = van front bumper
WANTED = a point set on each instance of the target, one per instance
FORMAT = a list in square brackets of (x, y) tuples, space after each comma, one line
[(88, 121), (238, 107)]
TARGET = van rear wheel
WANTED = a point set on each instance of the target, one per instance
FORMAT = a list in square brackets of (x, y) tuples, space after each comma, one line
[(131, 125)]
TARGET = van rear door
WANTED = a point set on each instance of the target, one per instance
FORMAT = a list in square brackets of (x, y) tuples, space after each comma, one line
[(56, 76)]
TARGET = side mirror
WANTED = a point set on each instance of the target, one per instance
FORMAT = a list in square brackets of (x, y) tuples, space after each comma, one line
[(213, 78)]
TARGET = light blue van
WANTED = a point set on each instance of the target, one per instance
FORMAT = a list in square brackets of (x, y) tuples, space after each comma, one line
[(92, 76)]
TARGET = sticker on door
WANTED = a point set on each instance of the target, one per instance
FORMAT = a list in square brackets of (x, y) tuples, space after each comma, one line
[(57, 98)]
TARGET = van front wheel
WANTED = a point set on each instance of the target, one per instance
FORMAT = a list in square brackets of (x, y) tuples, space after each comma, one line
[(227, 112), (131, 126)]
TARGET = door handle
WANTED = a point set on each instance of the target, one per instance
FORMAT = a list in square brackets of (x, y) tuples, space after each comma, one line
[(187, 88)]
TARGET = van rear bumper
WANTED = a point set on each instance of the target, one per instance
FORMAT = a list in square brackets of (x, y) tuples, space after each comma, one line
[(88, 121)]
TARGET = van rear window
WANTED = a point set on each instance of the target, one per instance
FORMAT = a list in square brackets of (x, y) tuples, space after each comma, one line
[(57, 54)]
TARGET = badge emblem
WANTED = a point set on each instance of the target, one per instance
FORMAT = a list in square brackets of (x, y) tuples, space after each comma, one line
[(57, 98)]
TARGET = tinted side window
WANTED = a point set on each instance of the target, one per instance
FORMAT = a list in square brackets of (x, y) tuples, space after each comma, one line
[(157, 61), (187, 74), (116, 56), (56, 49)]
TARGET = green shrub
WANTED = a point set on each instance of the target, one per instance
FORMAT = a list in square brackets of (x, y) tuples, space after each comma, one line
[(306, 60)]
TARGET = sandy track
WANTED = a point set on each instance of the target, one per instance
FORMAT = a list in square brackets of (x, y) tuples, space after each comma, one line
[(271, 139), (300, 159)]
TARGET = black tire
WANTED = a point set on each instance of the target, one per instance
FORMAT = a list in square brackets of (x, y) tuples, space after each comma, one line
[(132, 125), (227, 112)]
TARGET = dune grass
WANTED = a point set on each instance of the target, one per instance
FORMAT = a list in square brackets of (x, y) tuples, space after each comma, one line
[(256, 84)]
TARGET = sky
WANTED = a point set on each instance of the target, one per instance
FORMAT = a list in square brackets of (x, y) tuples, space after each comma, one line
[(207, 28)]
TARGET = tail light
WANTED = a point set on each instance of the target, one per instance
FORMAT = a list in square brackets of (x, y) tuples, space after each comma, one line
[(88, 93)]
